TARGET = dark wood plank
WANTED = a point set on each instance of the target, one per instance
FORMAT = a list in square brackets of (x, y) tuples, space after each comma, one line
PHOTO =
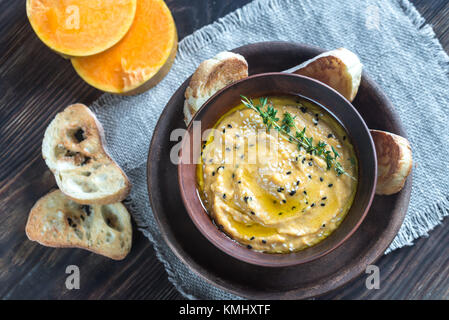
[(35, 84)]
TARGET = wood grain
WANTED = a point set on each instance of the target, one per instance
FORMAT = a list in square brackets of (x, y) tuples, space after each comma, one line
[(35, 84)]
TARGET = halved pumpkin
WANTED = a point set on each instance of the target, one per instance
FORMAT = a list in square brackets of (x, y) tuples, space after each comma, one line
[(141, 59), (81, 27)]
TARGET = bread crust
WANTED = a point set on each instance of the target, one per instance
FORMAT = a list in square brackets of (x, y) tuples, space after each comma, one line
[(49, 224), (340, 69), (394, 161), (211, 76), (85, 156)]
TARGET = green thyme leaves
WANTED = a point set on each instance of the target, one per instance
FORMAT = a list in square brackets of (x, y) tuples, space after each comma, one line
[(288, 128)]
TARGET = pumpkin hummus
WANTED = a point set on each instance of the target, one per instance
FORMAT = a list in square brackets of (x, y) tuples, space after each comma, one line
[(266, 193)]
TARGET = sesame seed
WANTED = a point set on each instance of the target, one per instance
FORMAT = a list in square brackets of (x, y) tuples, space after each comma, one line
[(264, 241), (330, 185), (292, 192), (323, 204), (224, 195), (312, 205), (249, 247), (321, 179), (252, 238), (253, 213)]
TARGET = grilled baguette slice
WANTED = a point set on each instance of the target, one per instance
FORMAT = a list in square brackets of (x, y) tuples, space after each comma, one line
[(56, 221), (74, 150), (394, 161), (211, 76), (340, 69)]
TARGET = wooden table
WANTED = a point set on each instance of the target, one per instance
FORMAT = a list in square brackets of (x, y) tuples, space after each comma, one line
[(36, 84)]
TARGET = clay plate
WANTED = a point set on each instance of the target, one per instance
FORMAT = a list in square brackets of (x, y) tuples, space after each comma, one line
[(306, 280)]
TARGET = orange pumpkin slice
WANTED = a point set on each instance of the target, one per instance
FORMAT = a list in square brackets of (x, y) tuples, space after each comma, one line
[(81, 27), (141, 59)]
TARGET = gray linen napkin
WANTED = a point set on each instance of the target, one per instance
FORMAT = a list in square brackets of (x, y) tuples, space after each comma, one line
[(399, 52)]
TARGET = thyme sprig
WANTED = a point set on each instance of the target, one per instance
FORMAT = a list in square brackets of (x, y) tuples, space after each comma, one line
[(287, 126)]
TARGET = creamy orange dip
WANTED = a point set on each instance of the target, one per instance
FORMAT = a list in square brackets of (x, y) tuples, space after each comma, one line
[(264, 192)]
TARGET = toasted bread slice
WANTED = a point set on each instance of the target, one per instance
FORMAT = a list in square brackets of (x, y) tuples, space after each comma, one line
[(340, 69), (394, 161), (74, 150), (56, 221), (211, 76)]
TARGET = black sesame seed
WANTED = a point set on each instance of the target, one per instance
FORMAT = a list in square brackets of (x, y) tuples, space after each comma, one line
[(204, 146), (321, 179), (330, 185), (296, 159), (233, 175), (253, 213), (303, 109), (239, 181), (79, 135), (252, 238), (310, 177), (298, 182), (213, 173), (249, 247), (280, 213), (303, 159), (323, 198), (330, 135), (284, 201), (312, 205), (224, 130), (86, 208), (280, 189), (229, 126), (288, 172), (310, 163), (246, 199), (323, 204), (292, 192), (264, 241), (224, 195), (305, 192), (293, 208)]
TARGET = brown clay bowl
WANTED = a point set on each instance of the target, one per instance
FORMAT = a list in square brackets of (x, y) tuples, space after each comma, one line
[(281, 84)]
